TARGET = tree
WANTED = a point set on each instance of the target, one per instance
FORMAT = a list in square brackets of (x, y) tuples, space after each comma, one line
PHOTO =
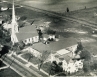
[(86, 66), (6, 17), (79, 47), (40, 34), (42, 58), (18, 47), (90, 65), (5, 37), (85, 55), (85, 7), (21, 45), (55, 68), (4, 50), (67, 9), (93, 63)]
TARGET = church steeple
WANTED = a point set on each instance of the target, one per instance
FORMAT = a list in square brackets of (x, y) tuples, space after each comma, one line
[(14, 26), (14, 22)]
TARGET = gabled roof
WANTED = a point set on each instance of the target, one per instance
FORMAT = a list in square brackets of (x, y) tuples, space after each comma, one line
[(56, 45), (26, 32), (63, 51), (67, 56)]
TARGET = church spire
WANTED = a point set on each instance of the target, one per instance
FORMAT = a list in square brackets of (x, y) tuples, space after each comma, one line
[(13, 13), (14, 22), (14, 26)]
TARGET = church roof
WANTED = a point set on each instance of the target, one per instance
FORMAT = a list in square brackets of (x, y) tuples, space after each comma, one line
[(26, 32)]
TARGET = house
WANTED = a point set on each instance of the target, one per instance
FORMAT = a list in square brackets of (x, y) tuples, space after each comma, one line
[(71, 68), (79, 64), (64, 65)]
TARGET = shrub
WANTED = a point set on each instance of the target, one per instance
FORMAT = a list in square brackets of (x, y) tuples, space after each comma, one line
[(21, 45)]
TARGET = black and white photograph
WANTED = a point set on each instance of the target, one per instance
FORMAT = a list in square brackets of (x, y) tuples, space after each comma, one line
[(48, 38)]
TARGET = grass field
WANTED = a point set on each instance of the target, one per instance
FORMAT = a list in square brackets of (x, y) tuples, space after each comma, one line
[(85, 14), (61, 5)]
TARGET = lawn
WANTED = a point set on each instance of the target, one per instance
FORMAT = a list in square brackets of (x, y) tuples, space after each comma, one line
[(31, 58), (61, 5), (34, 60), (46, 67), (84, 14), (91, 47)]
